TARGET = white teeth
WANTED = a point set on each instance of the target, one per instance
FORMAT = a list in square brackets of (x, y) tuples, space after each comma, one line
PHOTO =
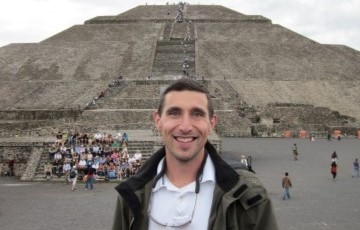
[(185, 139)]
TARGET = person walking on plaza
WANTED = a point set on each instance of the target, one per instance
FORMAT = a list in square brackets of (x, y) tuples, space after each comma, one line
[(333, 169), (66, 170), (334, 157), (89, 183), (286, 184), (186, 184), (73, 177), (356, 168), (295, 151)]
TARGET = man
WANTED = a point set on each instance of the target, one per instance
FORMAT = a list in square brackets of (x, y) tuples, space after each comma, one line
[(356, 168), (333, 169), (137, 156), (295, 152), (286, 184), (73, 177), (11, 164), (95, 149), (98, 137), (66, 171), (48, 170), (185, 184), (57, 156), (334, 157)]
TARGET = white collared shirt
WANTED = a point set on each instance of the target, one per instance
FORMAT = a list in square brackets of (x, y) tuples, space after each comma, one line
[(167, 202)]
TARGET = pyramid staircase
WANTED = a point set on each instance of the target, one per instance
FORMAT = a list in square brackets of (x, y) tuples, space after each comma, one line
[(175, 51)]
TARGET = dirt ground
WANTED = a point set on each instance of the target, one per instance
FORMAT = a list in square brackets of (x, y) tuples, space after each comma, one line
[(318, 202)]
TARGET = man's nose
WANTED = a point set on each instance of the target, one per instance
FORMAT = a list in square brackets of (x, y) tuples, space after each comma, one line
[(186, 123)]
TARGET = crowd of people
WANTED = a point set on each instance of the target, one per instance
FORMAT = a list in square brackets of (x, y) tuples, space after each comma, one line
[(97, 156)]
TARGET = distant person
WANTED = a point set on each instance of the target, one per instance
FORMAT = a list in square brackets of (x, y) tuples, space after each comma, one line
[(295, 151), (333, 169), (186, 184), (11, 165), (243, 160), (73, 177), (356, 168), (125, 138), (66, 171), (249, 161), (48, 170), (89, 183), (312, 138), (286, 184), (334, 157)]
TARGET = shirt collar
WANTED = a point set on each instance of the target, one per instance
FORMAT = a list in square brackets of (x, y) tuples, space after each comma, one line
[(208, 174)]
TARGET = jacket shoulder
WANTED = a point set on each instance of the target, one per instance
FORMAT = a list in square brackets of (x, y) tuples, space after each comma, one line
[(255, 193)]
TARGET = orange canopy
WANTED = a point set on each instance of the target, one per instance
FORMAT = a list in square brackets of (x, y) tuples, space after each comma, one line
[(287, 133), (302, 134), (336, 133)]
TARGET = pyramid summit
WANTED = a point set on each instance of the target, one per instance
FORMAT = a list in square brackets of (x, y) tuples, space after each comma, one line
[(264, 78)]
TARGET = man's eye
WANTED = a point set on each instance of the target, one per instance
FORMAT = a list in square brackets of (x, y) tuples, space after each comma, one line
[(173, 113), (198, 114)]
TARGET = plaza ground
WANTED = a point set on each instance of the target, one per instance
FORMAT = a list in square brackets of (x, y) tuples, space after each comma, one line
[(318, 202)]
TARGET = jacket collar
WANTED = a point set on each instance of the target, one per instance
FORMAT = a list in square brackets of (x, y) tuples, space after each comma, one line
[(225, 176)]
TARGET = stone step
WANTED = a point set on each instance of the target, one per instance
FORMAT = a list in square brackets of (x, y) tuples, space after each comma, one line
[(176, 49), (174, 57)]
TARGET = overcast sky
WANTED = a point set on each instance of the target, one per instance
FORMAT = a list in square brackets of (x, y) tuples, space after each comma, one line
[(325, 21)]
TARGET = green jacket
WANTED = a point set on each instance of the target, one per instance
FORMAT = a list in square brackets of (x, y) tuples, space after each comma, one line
[(239, 202)]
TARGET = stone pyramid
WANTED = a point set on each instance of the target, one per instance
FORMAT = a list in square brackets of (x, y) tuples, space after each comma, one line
[(265, 79)]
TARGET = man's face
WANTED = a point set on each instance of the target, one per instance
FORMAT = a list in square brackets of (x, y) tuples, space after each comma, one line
[(185, 124)]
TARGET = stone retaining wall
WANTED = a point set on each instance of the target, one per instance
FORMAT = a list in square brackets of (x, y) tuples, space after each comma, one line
[(44, 114), (23, 154)]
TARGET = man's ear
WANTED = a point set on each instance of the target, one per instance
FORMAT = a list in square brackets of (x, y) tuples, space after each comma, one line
[(214, 121), (156, 118)]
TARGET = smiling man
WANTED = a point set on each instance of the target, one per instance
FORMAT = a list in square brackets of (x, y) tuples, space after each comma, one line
[(185, 184)]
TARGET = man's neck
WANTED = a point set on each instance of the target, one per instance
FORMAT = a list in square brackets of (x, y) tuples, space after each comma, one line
[(182, 173)]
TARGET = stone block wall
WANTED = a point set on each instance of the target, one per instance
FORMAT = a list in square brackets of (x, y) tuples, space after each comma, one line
[(230, 124), (24, 128), (129, 103), (19, 151), (33, 122), (44, 114), (275, 119), (96, 118)]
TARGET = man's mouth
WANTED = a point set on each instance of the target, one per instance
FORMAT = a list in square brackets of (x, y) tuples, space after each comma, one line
[(185, 139)]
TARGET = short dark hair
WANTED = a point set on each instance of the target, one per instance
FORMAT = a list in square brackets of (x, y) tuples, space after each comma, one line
[(182, 85), (286, 174)]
